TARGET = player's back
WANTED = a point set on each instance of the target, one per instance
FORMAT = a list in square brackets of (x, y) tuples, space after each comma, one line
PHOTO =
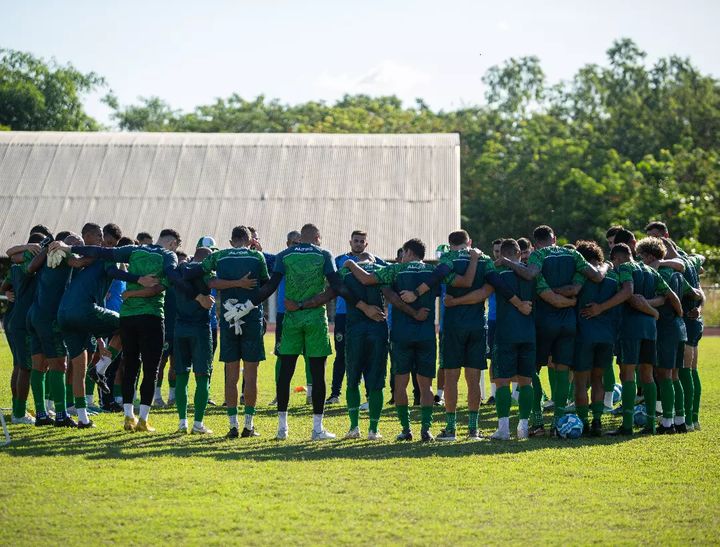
[(558, 267), (51, 285), (87, 286), (24, 284), (304, 266), (410, 276), (636, 324), (188, 311), (604, 327), (370, 294), (511, 326), (669, 322), (472, 316)]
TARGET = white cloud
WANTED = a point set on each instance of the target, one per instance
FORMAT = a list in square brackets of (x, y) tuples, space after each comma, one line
[(503, 26), (389, 77)]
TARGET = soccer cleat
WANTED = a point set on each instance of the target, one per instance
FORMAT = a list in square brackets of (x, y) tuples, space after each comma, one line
[(500, 435), (426, 436), (249, 432), (446, 435), (354, 433), (439, 401), (490, 401), (619, 432), (679, 428), (474, 435), (648, 430), (690, 427), (100, 380), (596, 428), (365, 406), (523, 432), (405, 436), (212, 403), (158, 402), (696, 426), (273, 402), (25, 420), (233, 433), (332, 400), (374, 436), (130, 424), (45, 420), (282, 434), (537, 431), (182, 430), (66, 422), (88, 425), (323, 435), (662, 430), (200, 430), (144, 426)]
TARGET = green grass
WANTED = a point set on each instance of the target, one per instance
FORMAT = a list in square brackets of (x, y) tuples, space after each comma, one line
[(71, 487)]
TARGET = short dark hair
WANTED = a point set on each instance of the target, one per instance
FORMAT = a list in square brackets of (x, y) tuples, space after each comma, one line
[(143, 235), (169, 232), (496, 242), (181, 254), (309, 230), (252, 229), (509, 247), (36, 237), (656, 225), (40, 229), (543, 234), (524, 243), (620, 249), (458, 237), (652, 246), (90, 227), (112, 230), (623, 236), (125, 241), (360, 233), (62, 235), (241, 234), (416, 246), (590, 250), (613, 230)]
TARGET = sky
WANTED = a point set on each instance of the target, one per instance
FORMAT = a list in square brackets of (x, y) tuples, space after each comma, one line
[(191, 52)]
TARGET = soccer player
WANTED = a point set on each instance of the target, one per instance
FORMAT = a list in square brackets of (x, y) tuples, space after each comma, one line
[(491, 332), (610, 234), (144, 238), (556, 268), (358, 252), (526, 249)]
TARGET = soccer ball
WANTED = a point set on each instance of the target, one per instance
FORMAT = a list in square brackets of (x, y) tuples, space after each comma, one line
[(570, 426), (639, 416), (617, 393)]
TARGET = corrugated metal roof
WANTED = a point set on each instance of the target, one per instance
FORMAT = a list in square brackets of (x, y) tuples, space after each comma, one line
[(393, 186)]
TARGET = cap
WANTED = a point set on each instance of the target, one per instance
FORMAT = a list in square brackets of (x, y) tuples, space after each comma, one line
[(206, 241)]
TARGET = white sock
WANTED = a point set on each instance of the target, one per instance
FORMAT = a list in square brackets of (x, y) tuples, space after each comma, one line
[(158, 392), (515, 394), (608, 401), (658, 407), (49, 404), (233, 421), (171, 395), (248, 421), (309, 390), (144, 412), (129, 411), (197, 425), (90, 399), (523, 424), (183, 424), (102, 365), (440, 393), (679, 420), (493, 387), (282, 420), (504, 425), (82, 415), (317, 422), (119, 400), (482, 384), (667, 422)]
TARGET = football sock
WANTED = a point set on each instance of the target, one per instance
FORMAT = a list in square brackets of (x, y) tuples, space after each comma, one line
[(562, 385), (426, 413), (144, 412), (317, 422), (679, 401), (597, 410), (57, 391), (128, 410), (202, 396), (81, 406), (628, 404), (689, 391), (102, 365), (352, 396), (504, 425), (117, 393), (502, 401), (249, 416), (667, 396), (525, 401), (537, 400), (282, 420), (493, 389), (582, 412), (89, 385), (375, 403), (181, 394), (609, 379), (440, 393), (473, 419), (608, 399), (404, 416), (158, 392), (232, 413), (696, 396), (450, 419), (650, 391), (37, 383)]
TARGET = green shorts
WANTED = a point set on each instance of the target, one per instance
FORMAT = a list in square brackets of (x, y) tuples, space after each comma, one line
[(20, 348), (79, 327), (247, 346), (193, 349), (670, 352), (366, 353), (418, 357), (305, 332), (637, 352), (556, 341), (513, 359), (590, 355), (694, 329), (46, 338), (461, 347)]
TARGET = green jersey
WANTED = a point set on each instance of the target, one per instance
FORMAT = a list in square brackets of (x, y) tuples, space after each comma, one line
[(408, 276), (637, 325), (669, 324), (693, 265), (370, 294), (233, 264), (511, 326), (558, 267), (24, 285), (602, 328), (469, 316)]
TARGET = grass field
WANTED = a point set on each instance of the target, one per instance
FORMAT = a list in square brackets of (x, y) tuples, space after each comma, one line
[(71, 487)]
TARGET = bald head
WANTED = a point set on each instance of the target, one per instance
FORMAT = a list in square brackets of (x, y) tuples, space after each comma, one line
[(201, 253), (310, 234)]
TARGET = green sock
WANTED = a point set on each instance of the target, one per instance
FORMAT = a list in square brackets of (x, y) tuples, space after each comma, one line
[(525, 401), (181, 394), (375, 402), (679, 398), (352, 395), (89, 385), (37, 384), (503, 401), (537, 416), (582, 412), (450, 419), (57, 389), (473, 419), (172, 382), (688, 390), (232, 411), (48, 393), (202, 395), (696, 396), (404, 416), (117, 390), (69, 397), (562, 385), (426, 413), (650, 391), (80, 402), (667, 396), (597, 409), (609, 378), (628, 404)]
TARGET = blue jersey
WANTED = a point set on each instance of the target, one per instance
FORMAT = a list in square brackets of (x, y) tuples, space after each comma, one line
[(113, 301), (281, 296), (340, 304), (492, 308)]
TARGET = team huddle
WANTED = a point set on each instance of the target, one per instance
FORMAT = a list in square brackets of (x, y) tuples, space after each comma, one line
[(90, 312)]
